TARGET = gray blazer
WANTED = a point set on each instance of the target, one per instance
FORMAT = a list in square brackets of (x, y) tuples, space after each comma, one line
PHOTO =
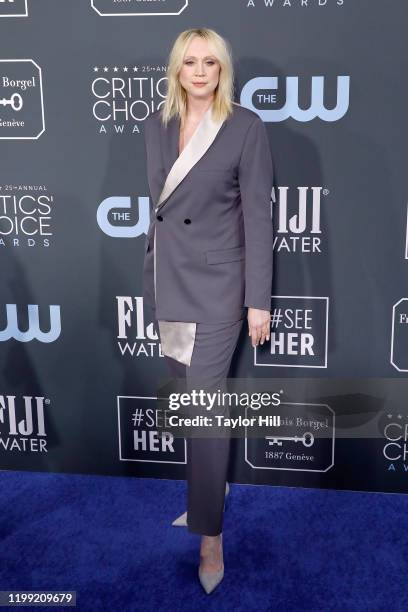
[(213, 230)]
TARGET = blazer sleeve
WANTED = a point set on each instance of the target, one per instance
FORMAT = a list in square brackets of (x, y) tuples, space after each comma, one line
[(154, 166), (256, 182)]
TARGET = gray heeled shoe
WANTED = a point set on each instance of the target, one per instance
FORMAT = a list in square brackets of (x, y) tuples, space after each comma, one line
[(209, 580), (181, 521)]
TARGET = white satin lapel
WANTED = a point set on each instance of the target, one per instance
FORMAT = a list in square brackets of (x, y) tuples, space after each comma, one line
[(198, 144)]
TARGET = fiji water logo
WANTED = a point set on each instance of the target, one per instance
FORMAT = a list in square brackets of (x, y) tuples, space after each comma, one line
[(31, 410)]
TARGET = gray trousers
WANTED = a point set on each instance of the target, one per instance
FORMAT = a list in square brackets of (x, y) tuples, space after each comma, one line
[(207, 458)]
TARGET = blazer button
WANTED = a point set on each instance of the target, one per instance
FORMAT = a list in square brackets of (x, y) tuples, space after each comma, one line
[(159, 218), (187, 221)]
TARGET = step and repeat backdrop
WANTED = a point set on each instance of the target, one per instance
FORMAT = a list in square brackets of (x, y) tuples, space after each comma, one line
[(81, 362)]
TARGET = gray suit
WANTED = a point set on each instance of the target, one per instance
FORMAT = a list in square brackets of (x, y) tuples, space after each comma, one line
[(208, 255), (214, 231)]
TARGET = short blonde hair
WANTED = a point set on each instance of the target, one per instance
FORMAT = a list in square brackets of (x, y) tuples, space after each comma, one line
[(175, 103)]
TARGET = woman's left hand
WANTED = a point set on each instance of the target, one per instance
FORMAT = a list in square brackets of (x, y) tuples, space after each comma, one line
[(259, 322)]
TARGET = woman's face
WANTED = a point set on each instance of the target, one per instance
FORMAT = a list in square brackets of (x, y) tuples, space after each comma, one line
[(199, 66)]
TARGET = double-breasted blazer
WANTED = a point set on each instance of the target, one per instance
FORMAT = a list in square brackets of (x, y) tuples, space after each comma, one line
[(209, 246)]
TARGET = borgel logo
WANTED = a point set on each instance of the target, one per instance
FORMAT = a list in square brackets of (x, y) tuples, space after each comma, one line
[(13, 8), (114, 222), (112, 8), (12, 329), (399, 335), (21, 94), (260, 88), (303, 442)]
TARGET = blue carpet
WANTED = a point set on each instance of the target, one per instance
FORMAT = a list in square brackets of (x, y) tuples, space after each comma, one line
[(285, 549)]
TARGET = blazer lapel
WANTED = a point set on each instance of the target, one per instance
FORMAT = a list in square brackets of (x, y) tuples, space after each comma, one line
[(196, 147)]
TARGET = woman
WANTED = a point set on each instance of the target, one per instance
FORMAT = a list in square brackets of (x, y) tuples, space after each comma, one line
[(208, 249)]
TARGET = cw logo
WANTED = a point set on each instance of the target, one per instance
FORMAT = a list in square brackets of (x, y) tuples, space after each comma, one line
[(291, 107), (33, 332), (108, 209)]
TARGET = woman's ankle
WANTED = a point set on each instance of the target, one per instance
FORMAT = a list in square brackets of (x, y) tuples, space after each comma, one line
[(211, 539)]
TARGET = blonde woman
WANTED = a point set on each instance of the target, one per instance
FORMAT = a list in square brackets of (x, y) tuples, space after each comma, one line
[(208, 255)]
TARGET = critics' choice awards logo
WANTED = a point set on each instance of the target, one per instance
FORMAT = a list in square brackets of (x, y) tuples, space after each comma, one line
[(117, 217), (114, 8), (21, 95), (13, 8), (265, 92), (299, 330), (139, 438), (124, 96), (399, 336), (304, 440), (26, 327), (135, 337), (22, 424), (25, 216), (395, 450), (298, 220)]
